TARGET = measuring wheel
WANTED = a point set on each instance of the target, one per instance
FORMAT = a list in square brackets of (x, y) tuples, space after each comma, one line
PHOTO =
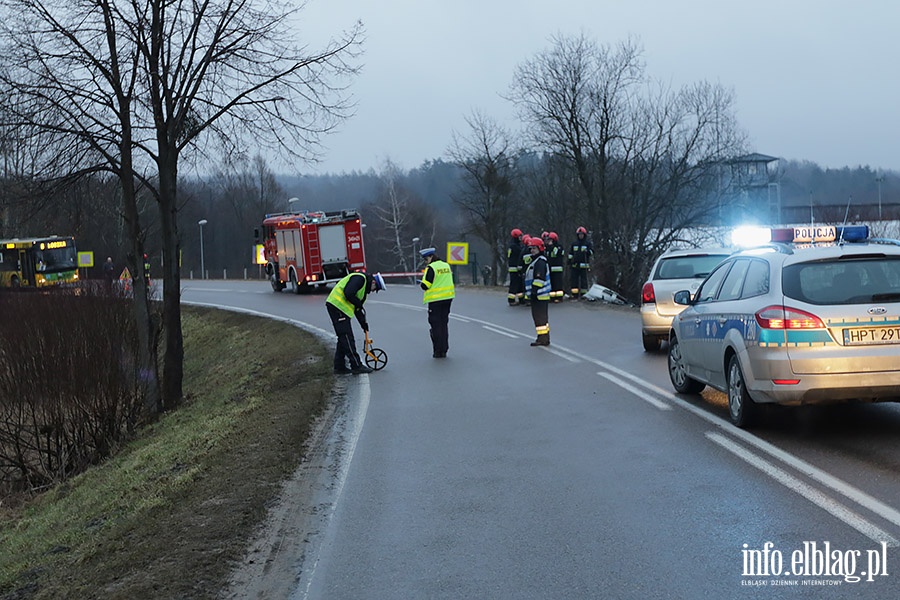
[(376, 358)]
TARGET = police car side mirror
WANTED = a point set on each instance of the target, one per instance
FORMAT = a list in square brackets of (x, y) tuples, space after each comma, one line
[(682, 297)]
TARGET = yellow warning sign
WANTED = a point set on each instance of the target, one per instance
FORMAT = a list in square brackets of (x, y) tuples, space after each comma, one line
[(125, 276), (457, 253)]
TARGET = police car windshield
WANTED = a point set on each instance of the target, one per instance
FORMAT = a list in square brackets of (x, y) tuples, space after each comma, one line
[(843, 281)]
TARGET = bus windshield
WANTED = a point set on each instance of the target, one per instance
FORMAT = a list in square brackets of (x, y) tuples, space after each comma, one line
[(56, 259)]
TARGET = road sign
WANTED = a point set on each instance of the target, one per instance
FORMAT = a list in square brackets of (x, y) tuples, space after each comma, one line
[(457, 253), (85, 259)]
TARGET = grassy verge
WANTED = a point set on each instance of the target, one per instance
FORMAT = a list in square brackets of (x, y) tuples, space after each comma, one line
[(168, 516)]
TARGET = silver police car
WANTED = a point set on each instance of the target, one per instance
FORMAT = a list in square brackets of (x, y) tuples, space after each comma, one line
[(811, 318), (674, 270)]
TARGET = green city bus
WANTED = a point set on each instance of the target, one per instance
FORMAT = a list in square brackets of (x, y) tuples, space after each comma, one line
[(38, 262)]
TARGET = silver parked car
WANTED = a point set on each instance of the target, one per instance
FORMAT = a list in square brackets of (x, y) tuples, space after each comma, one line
[(794, 325), (674, 270)]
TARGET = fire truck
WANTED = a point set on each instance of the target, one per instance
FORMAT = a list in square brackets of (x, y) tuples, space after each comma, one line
[(310, 249)]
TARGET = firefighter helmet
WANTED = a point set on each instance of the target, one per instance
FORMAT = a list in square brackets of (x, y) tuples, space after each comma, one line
[(581, 230), (552, 235), (516, 233), (545, 235), (536, 242)]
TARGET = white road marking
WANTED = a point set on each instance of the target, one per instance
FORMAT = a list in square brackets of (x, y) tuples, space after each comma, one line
[(509, 335), (815, 496), (639, 393), (560, 354), (309, 327), (353, 431), (842, 487)]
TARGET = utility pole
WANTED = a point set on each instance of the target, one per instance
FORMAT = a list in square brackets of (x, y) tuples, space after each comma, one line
[(878, 180)]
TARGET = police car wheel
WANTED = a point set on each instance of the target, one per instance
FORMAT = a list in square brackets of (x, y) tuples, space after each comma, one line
[(742, 410), (679, 377)]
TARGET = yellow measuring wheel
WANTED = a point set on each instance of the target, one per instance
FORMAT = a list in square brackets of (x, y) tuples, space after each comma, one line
[(376, 358)]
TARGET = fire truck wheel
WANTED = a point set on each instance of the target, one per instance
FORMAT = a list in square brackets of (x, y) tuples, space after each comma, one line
[(276, 285)]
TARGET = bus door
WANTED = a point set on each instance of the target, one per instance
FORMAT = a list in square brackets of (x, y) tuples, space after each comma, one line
[(26, 262)]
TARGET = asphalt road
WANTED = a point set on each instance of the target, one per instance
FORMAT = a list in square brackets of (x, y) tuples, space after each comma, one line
[(574, 471)]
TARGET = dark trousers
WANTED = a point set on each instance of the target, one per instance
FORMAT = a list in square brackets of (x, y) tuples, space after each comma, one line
[(540, 316), (516, 287), (438, 319), (556, 284), (579, 281), (346, 344)]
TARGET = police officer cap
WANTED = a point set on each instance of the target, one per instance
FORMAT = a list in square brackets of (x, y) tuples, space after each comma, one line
[(426, 252), (379, 282)]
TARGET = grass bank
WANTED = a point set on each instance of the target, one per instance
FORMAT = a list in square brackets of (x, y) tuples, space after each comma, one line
[(168, 516)]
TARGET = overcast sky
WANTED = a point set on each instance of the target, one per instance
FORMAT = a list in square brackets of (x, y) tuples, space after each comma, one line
[(814, 79)]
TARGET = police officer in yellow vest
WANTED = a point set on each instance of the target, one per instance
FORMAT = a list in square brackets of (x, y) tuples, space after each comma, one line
[(437, 281), (345, 301)]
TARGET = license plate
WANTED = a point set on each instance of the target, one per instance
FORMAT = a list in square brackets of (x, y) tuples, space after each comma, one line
[(862, 336)]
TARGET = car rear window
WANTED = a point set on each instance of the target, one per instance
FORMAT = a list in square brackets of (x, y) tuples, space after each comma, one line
[(688, 267), (844, 281)]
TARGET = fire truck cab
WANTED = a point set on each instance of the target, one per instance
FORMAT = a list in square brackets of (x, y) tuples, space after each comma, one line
[(309, 249)]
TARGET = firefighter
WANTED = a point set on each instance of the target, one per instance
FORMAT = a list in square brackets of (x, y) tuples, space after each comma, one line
[(524, 261), (346, 300), (147, 271), (513, 254), (556, 260), (537, 281), (437, 281), (580, 255)]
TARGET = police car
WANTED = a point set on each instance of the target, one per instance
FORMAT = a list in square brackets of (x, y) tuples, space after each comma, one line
[(675, 270), (811, 317)]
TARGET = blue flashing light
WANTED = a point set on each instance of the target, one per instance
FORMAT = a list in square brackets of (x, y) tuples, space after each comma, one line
[(853, 233)]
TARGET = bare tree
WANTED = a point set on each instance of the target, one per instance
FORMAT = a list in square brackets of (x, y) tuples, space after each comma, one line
[(648, 162), (488, 160), (392, 211), (131, 87)]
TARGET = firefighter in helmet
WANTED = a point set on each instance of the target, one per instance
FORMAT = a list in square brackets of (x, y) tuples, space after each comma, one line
[(556, 258), (580, 255), (513, 259), (537, 281), (344, 302), (524, 261)]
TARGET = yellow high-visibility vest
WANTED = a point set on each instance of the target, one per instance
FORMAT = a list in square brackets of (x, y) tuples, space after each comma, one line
[(442, 286), (338, 299)]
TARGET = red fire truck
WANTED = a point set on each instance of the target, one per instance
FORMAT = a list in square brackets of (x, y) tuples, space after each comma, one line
[(309, 249)]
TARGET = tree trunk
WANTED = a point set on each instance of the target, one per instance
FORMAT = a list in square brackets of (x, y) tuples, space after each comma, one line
[(173, 360), (148, 368)]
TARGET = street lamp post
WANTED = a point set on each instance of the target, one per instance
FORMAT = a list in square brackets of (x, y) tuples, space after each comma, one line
[(878, 180), (201, 223), (415, 241)]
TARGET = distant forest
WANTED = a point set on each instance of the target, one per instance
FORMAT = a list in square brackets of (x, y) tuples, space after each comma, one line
[(234, 204), (430, 195)]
